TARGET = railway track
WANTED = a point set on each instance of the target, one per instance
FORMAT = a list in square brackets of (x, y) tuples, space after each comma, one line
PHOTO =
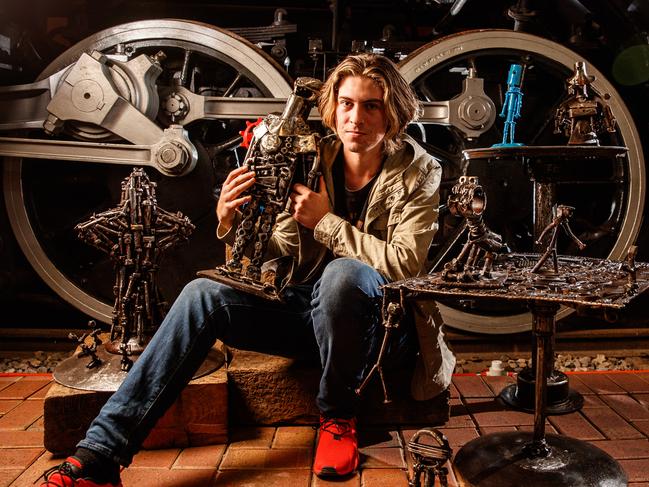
[(474, 351)]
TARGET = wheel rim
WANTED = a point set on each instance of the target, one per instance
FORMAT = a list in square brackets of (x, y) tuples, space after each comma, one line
[(80, 275), (440, 56)]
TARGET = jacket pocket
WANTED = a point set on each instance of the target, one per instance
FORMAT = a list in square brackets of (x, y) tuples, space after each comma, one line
[(379, 227)]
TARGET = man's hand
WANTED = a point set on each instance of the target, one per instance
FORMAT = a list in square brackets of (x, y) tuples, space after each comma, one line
[(236, 183), (308, 206)]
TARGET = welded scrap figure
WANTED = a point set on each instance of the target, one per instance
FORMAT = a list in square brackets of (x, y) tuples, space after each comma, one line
[(429, 457), (134, 235), (584, 115), (562, 214), (629, 267), (511, 111), (283, 148), (89, 350), (468, 199)]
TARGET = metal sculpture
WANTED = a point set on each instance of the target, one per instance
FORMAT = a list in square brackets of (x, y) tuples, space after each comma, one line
[(511, 111), (562, 214), (584, 114), (391, 318), (283, 149), (468, 199), (89, 350), (135, 234), (429, 459), (628, 266)]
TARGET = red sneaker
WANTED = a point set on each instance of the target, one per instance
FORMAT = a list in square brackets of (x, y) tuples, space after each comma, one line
[(337, 450), (69, 474)]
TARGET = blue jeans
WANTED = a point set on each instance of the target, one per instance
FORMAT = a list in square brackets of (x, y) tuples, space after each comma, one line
[(339, 317)]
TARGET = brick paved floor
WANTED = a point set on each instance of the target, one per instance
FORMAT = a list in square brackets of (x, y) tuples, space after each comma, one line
[(615, 418)]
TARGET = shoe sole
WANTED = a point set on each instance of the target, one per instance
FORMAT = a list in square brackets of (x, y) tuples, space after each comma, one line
[(331, 472)]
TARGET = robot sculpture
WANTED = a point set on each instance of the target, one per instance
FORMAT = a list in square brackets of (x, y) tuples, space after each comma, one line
[(584, 114), (283, 150), (135, 234), (562, 214), (511, 111), (468, 199)]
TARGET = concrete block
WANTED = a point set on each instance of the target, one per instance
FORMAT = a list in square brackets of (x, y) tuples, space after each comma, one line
[(269, 389), (197, 418)]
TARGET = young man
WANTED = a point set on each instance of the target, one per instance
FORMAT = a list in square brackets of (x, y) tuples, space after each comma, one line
[(370, 222)]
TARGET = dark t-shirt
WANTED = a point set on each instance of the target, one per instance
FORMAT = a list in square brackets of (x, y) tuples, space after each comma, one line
[(348, 204)]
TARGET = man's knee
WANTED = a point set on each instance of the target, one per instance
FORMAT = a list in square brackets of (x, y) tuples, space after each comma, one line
[(205, 288), (345, 276)]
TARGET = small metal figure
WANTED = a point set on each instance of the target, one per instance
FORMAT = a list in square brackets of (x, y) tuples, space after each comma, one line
[(89, 350), (134, 235), (279, 144), (562, 214), (511, 111), (629, 267), (584, 114), (392, 315), (468, 199), (428, 459)]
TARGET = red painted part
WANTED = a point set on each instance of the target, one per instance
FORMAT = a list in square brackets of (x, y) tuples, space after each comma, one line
[(247, 133), (580, 372)]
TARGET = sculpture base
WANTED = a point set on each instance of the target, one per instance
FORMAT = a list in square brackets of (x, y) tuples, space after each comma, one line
[(108, 376), (502, 459), (221, 274), (507, 144), (560, 398)]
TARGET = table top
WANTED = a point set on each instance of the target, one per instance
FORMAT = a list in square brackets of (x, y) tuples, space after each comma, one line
[(580, 282), (565, 152)]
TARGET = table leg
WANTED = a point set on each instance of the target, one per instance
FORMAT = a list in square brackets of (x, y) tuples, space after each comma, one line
[(559, 398), (543, 327), (537, 459)]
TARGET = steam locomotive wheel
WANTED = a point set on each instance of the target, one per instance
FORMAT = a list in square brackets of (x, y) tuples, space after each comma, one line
[(608, 196), (46, 199)]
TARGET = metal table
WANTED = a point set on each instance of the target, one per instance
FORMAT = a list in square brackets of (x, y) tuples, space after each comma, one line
[(521, 458)]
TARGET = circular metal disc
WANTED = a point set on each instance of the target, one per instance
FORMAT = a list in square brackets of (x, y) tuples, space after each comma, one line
[(571, 403), (108, 376), (500, 460)]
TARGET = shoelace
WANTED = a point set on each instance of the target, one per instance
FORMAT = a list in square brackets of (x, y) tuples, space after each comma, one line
[(337, 427), (64, 469)]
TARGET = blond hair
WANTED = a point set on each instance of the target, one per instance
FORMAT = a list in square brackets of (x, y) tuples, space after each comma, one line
[(401, 104)]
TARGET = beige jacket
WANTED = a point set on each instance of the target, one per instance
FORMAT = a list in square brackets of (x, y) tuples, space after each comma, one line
[(400, 223)]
